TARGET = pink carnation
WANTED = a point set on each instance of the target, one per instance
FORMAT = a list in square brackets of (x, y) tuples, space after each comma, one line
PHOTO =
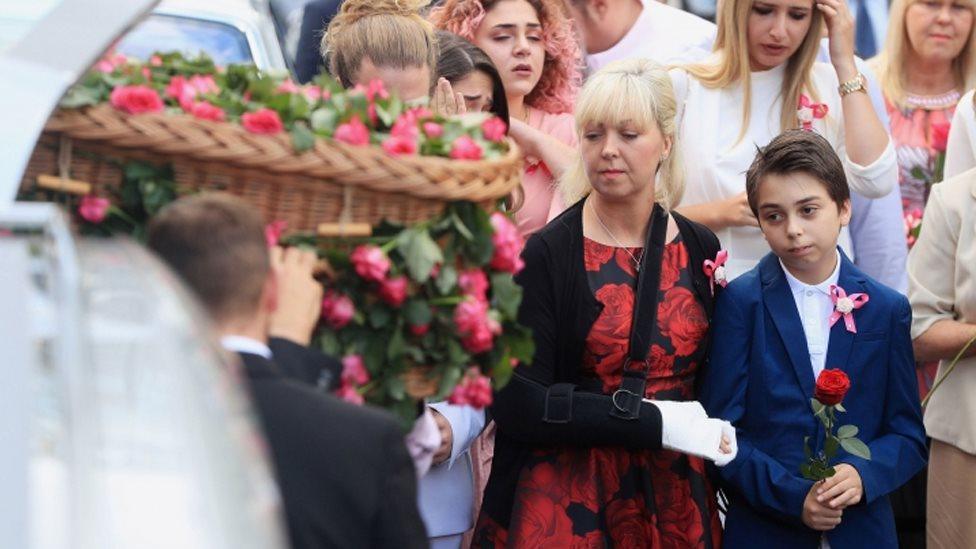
[(470, 314), (465, 148), (354, 370), (494, 129), (353, 132), (508, 245), (262, 121), (393, 291), (474, 282), (272, 232), (474, 390), (398, 146), (156, 61), (370, 262), (405, 127), (433, 130), (93, 209), (337, 310), (205, 110), (287, 87), (313, 93), (136, 99)]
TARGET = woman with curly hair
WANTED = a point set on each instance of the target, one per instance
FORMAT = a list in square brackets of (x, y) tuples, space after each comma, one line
[(533, 46)]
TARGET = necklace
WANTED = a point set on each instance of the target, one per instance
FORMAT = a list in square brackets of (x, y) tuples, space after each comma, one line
[(933, 102), (611, 235)]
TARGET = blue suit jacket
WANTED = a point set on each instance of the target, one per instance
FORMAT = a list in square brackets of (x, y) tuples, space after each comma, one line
[(761, 380)]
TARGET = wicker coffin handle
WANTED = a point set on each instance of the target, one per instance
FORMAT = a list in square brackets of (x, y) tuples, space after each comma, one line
[(345, 227), (63, 182)]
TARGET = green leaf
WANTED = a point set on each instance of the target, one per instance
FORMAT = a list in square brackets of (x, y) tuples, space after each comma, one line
[(379, 317), (840, 408), (395, 388), (806, 470), (417, 312), (830, 446), (519, 341), (302, 138), (829, 472), (456, 355), (817, 407), (420, 253), (501, 373), (506, 295), (394, 349), (847, 431), (449, 380), (447, 279), (329, 343), (80, 96), (855, 447), (324, 120)]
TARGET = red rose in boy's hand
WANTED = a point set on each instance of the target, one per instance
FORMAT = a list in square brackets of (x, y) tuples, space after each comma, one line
[(832, 385)]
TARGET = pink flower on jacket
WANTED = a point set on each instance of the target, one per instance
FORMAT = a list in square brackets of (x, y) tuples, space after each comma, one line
[(93, 209), (508, 245), (465, 148), (353, 132), (262, 121), (370, 262), (474, 390), (354, 370), (136, 99), (393, 291), (494, 129), (337, 309), (474, 282)]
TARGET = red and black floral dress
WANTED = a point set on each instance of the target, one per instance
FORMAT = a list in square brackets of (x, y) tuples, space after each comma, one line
[(613, 496)]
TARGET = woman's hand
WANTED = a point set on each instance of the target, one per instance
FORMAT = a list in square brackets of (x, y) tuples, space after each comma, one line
[(721, 214), (446, 102), (840, 37)]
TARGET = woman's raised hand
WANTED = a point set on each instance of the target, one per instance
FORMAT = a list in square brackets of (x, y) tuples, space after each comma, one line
[(446, 101), (840, 37)]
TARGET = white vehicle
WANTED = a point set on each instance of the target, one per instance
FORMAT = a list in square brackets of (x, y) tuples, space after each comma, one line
[(123, 425)]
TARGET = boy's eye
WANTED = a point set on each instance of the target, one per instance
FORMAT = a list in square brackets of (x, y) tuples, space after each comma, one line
[(774, 216), (808, 210)]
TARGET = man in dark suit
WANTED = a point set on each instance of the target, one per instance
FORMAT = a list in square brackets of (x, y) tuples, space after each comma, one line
[(308, 56), (345, 476)]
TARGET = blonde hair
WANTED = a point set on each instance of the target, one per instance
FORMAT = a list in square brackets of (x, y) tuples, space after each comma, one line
[(642, 95), (730, 64), (391, 33), (890, 64)]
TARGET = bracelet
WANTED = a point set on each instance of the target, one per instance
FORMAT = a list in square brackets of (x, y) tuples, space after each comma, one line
[(858, 83)]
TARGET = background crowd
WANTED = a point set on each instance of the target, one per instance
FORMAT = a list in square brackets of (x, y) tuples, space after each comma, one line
[(638, 122)]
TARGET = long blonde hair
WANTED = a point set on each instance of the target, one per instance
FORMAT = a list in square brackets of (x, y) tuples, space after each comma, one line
[(391, 33), (730, 63), (890, 64), (643, 95)]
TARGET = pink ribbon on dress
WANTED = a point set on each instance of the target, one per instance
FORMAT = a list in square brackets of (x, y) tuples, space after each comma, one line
[(715, 270), (845, 305)]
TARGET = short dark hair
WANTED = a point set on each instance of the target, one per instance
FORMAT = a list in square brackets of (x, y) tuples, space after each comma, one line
[(458, 58), (215, 242), (798, 151)]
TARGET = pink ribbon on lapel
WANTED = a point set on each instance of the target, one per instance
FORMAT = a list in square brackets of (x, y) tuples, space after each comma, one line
[(845, 305), (715, 270)]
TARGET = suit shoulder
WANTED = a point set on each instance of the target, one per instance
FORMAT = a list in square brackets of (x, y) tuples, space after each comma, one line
[(745, 287)]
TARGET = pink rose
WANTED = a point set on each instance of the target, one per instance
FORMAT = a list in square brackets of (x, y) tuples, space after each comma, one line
[(207, 111), (156, 61), (420, 113), (203, 84), (262, 121), (272, 232), (397, 146), (337, 309), (433, 130), (93, 209), (354, 370), (474, 282), (370, 262), (353, 132), (465, 148), (136, 99), (473, 390), (110, 62), (405, 127), (287, 87), (182, 91), (419, 330), (480, 340), (470, 314), (393, 291), (508, 245), (146, 73), (350, 394), (313, 93), (494, 129)]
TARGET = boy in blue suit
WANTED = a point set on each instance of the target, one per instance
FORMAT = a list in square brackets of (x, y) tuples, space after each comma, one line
[(773, 336)]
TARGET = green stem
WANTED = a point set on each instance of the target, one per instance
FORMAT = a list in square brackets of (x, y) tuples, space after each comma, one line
[(948, 370), (120, 213), (450, 300)]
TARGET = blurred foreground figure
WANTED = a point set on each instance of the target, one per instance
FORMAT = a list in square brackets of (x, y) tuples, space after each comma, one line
[(345, 476)]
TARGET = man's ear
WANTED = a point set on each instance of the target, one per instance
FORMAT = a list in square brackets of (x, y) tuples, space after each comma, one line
[(844, 210)]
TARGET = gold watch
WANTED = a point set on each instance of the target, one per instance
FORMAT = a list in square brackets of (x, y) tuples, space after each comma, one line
[(856, 84)]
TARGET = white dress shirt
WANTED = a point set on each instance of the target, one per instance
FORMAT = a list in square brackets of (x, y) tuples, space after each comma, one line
[(814, 305), (242, 344)]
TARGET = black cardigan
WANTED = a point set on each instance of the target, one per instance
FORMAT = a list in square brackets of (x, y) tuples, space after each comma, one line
[(541, 405)]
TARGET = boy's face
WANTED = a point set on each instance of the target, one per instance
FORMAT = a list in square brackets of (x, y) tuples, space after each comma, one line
[(801, 223)]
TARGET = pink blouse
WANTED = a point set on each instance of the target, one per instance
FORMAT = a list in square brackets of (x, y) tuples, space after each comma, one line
[(542, 202)]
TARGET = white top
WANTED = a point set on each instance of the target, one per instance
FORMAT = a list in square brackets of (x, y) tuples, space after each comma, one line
[(661, 33), (709, 126), (814, 305), (241, 344), (961, 147)]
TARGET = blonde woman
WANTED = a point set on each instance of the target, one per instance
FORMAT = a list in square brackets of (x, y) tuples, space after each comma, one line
[(763, 79), (383, 40), (929, 60), (578, 452)]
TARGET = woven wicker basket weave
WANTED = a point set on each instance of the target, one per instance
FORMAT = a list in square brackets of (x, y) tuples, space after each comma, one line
[(333, 182)]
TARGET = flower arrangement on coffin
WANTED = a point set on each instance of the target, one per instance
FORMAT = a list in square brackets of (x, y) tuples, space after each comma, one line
[(426, 310)]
